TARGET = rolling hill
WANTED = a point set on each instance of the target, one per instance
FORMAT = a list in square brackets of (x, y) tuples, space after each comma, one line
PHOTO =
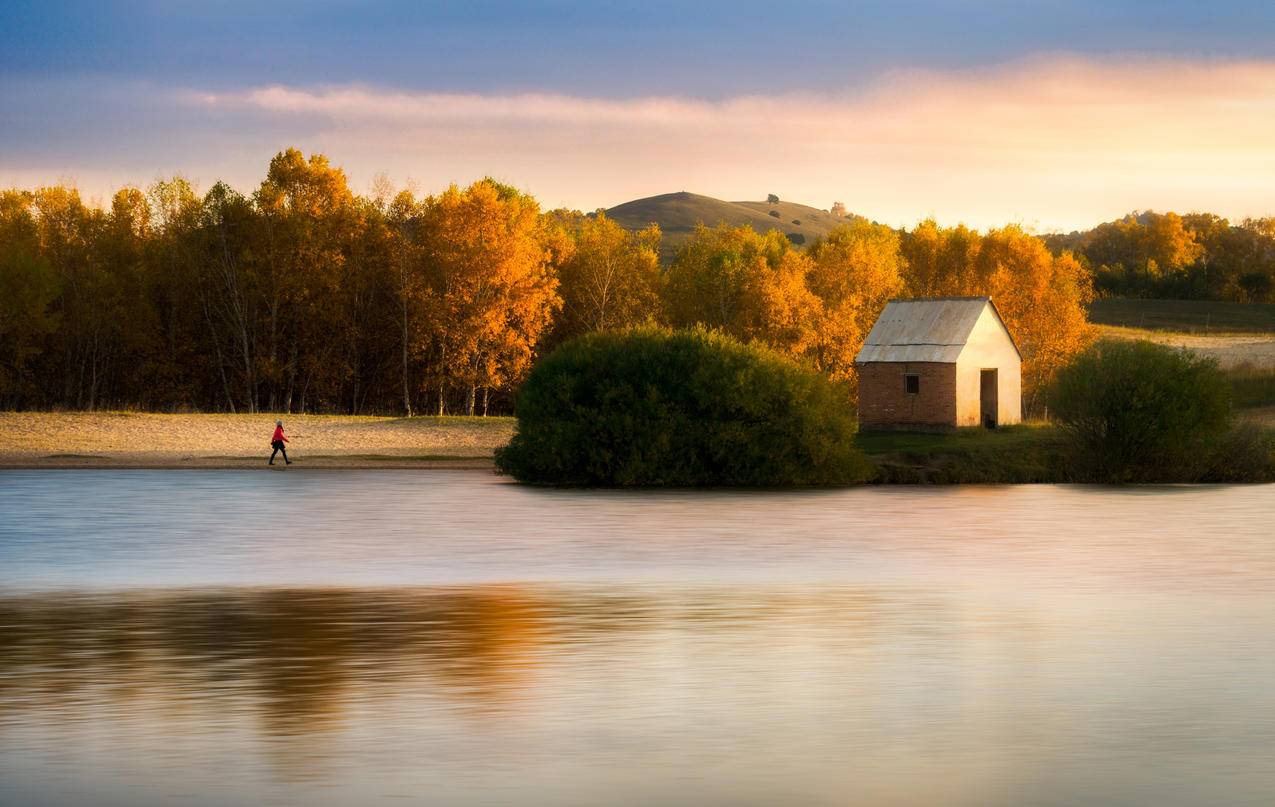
[(678, 213)]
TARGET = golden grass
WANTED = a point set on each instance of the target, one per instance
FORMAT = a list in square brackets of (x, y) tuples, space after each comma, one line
[(1231, 350), (149, 439)]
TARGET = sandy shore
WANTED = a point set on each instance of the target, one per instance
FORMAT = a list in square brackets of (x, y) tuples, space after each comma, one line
[(146, 440)]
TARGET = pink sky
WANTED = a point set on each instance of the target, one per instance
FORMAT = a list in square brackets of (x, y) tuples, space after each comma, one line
[(1054, 142)]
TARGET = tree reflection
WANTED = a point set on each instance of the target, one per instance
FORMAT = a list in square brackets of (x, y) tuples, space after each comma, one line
[(296, 657)]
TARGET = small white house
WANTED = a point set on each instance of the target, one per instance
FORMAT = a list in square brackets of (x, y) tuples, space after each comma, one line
[(939, 362)]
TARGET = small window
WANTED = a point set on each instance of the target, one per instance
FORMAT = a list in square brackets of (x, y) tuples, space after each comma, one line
[(912, 383)]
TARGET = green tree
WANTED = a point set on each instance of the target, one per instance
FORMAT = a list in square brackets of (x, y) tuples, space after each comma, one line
[(680, 408), (1141, 411)]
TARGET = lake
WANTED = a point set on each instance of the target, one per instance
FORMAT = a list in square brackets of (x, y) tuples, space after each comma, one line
[(380, 637)]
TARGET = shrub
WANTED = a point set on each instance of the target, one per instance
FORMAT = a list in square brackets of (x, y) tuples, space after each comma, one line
[(653, 407), (1137, 411), (774, 214), (1244, 454)]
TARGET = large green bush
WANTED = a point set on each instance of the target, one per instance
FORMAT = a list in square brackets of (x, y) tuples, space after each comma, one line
[(1138, 411), (652, 407)]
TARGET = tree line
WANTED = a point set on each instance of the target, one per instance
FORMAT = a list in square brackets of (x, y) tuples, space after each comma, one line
[(305, 296), (1194, 256)]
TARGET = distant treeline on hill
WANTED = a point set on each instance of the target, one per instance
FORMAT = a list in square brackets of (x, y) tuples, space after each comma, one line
[(1197, 256), (307, 297)]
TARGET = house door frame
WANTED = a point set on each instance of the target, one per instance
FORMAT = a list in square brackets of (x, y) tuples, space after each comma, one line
[(989, 397)]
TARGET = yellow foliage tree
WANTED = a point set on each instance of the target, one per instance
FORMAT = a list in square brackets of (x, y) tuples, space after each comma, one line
[(749, 285), (854, 272), (1042, 297), (611, 278), (488, 292)]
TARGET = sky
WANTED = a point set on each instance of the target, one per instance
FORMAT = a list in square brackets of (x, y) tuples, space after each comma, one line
[(1049, 114)]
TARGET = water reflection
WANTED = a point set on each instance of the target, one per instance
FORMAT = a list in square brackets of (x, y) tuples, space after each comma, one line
[(296, 658), (583, 693), (1017, 646)]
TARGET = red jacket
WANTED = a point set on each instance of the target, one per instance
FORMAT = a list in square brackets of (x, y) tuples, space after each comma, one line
[(278, 435)]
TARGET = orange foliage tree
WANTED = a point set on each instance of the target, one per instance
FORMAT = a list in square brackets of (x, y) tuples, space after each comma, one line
[(749, 285), (854, 272), (1041, 296), (611, 278), (488, 291)]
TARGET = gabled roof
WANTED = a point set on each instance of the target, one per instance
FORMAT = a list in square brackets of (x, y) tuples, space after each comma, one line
[(932, 329)]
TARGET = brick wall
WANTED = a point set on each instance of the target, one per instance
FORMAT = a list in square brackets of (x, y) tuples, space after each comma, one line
[(884, 403)]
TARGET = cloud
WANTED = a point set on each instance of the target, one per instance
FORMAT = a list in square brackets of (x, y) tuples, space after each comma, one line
[(1052, 141)]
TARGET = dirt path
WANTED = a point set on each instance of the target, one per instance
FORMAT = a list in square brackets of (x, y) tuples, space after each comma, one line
[(144, 440)]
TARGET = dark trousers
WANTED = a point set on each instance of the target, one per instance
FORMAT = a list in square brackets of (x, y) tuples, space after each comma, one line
[(278, 446)]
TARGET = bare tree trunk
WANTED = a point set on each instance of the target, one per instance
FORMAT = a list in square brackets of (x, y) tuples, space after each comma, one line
[(486, 395), (469, 400), (292, 375), (305, 390), (442, 383), (407, 387)]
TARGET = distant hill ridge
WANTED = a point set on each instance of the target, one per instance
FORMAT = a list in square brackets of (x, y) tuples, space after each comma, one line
[(679, 213)]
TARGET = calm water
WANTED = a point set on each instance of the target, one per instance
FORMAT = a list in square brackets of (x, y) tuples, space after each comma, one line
[(226, 637)]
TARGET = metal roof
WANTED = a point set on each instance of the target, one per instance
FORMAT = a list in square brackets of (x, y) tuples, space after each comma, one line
[(923, 330)]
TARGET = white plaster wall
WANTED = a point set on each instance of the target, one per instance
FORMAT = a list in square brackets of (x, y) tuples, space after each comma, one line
[(989, 346)]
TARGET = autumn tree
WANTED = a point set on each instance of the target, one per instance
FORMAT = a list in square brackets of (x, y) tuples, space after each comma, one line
[(1043, 300), (488, 292), (854, 271), (70, 240), (749, 285), (179, 346), (229, 290), (940, 259), (308, 219), (1042, 297), (1141, 252), (303, 295), (28, 288), (402, 219), (611, 279)]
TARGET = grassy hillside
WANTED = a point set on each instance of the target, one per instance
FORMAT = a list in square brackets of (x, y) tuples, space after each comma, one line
[(678, 213)]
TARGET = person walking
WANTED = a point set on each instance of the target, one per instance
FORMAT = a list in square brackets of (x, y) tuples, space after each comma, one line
[(277, 441)]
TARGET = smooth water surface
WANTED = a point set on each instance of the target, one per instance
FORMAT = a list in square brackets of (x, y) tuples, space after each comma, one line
[(228, 637)]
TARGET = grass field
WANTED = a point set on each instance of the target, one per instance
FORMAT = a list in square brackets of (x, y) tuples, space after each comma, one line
[(1030, 452), (197, 440), (1238, 335), (1185, 316)]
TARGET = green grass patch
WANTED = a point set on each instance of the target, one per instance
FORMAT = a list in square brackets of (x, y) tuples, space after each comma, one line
[(1186, 316), (1030, 452)]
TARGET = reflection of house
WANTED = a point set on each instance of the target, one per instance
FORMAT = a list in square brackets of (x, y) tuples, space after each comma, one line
[(939, 363)]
